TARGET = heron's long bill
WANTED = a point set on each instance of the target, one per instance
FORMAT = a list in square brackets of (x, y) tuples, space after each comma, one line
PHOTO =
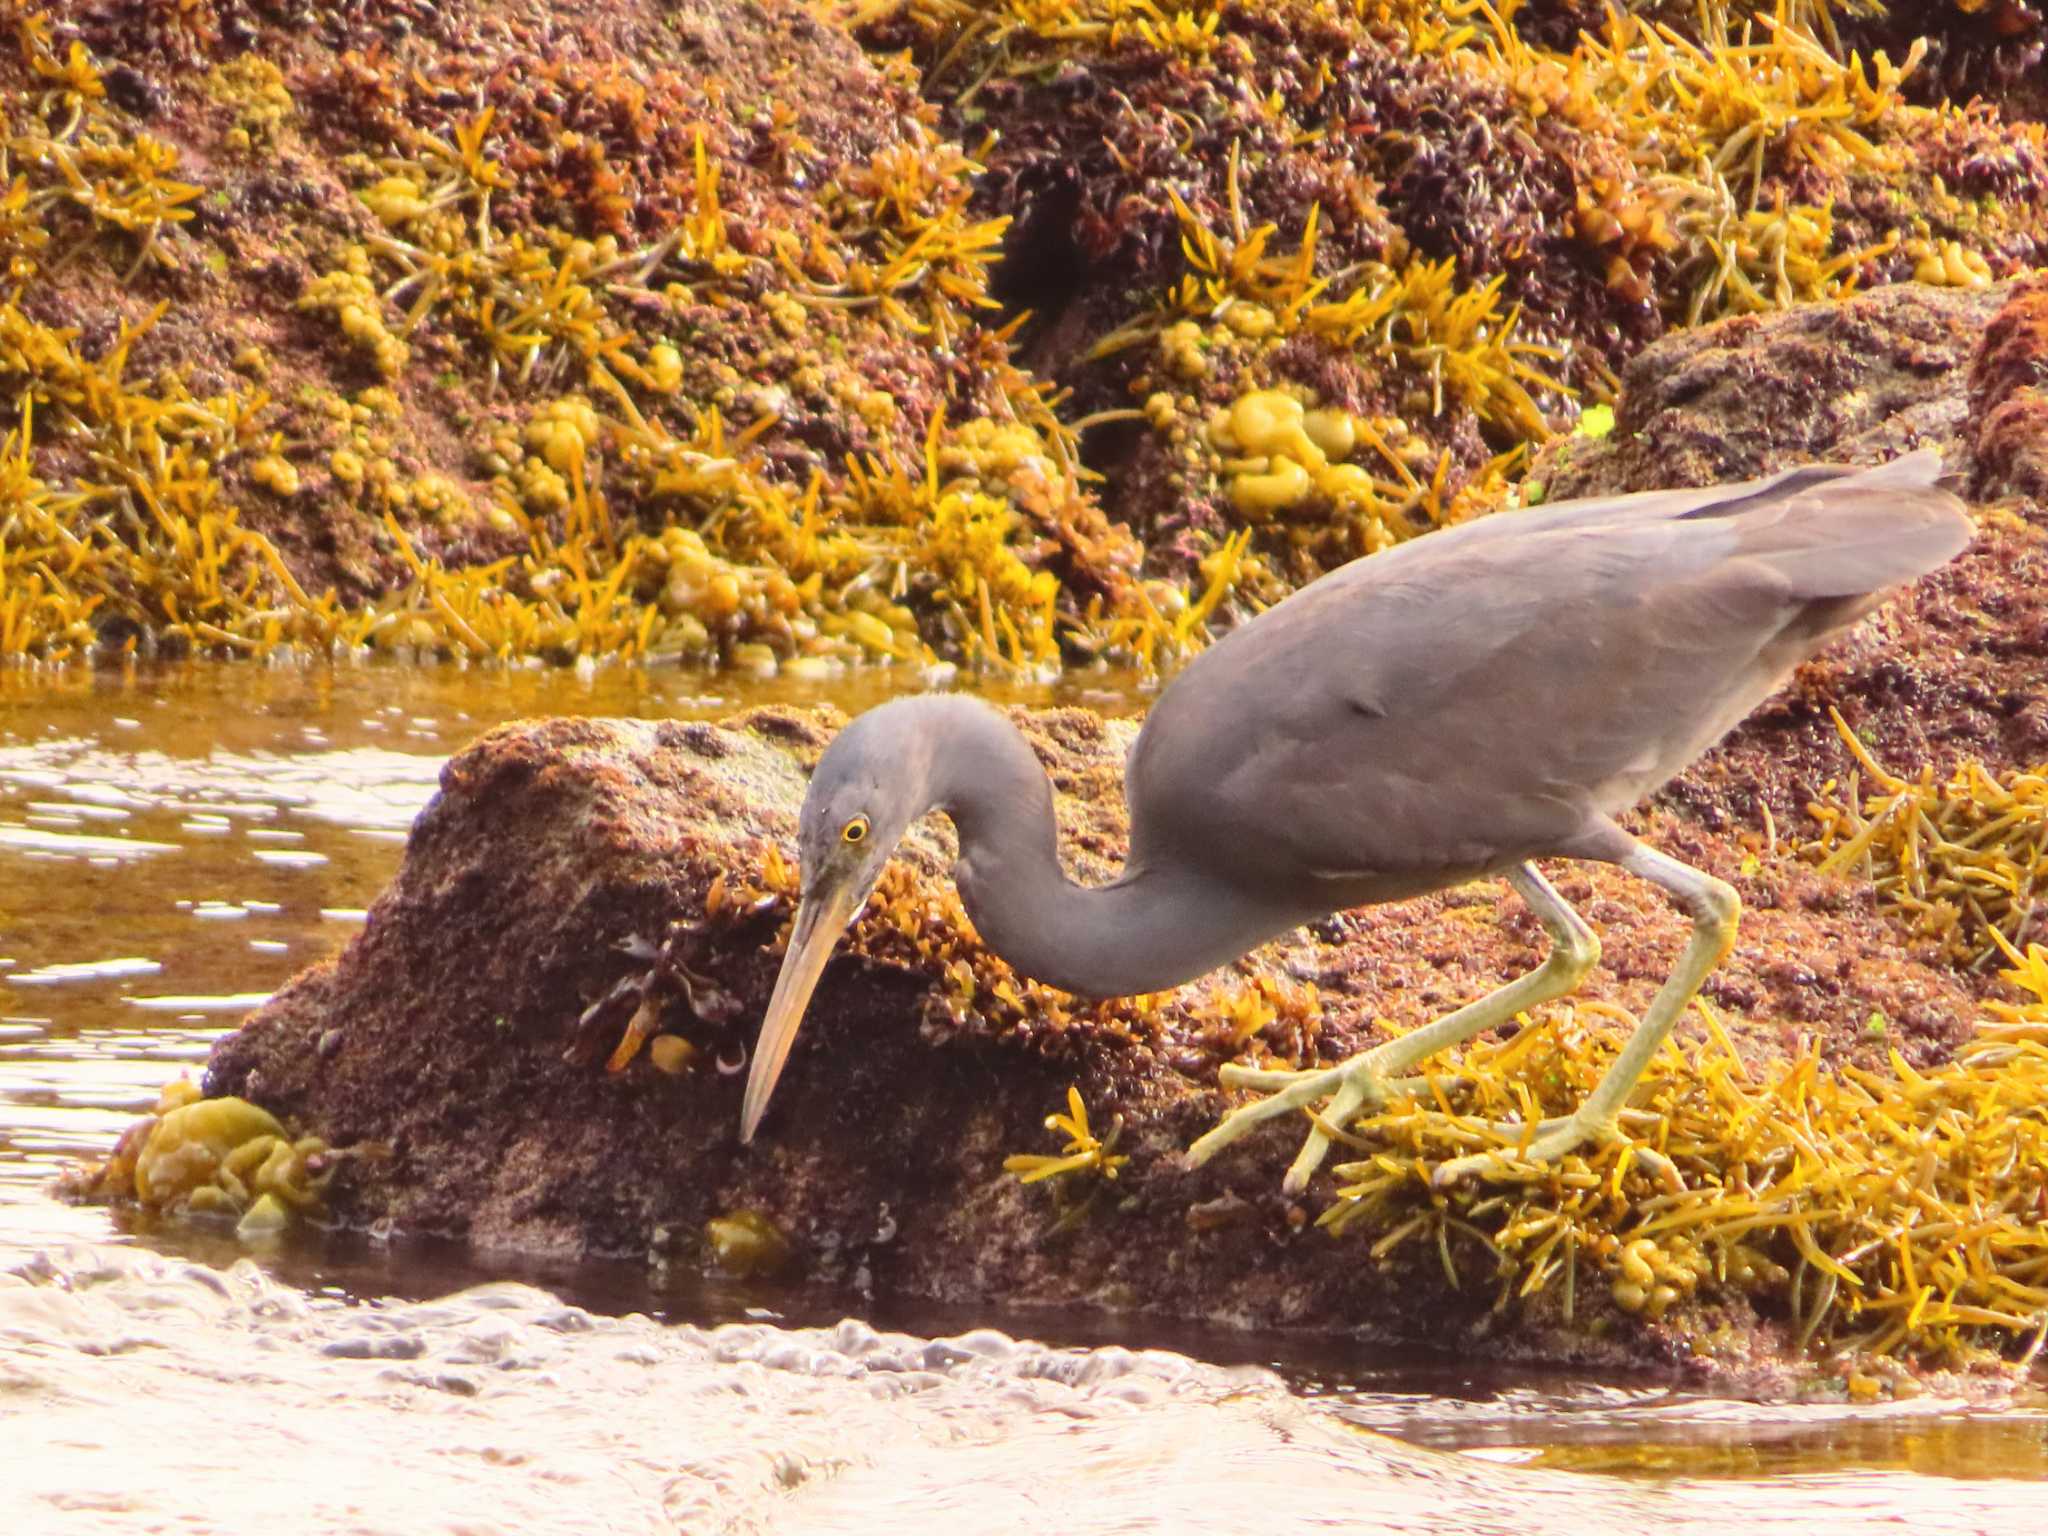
[(819, 922)]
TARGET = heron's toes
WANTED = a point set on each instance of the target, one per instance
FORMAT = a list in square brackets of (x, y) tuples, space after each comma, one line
[(1276, 1080), (1555, 1139), (1288, 1091), (1349, 1087)]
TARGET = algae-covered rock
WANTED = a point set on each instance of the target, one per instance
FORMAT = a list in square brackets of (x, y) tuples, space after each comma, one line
[(1860, 380), (572, 877), (2009, 399), (781, 334)]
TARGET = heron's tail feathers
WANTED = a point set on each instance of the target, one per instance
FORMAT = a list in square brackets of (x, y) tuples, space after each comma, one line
[(1853, 533)]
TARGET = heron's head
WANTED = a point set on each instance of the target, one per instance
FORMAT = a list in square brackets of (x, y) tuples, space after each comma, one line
[(868, 788)]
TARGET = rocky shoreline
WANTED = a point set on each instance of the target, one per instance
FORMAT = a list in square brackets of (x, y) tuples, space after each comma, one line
[(576, 882)]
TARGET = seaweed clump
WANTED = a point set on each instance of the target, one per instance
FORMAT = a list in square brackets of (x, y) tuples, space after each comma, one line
[(1883, 1213), (1963, 861), (481, 342), (1083, 1153), (219, 1159), (1458, 217)]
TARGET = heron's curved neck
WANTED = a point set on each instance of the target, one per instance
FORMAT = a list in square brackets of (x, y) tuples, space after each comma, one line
[(1154, 927)]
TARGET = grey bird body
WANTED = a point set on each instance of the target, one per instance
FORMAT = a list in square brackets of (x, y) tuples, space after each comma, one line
[(1477, 697), (1445, 710)]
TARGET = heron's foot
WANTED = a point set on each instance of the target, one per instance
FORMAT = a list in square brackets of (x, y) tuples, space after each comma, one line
[(1350, 1086), (1552, 1141)]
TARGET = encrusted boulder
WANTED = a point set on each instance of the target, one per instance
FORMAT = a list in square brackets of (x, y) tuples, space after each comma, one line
[(576, 878), (1859, 380), (2009, 398)]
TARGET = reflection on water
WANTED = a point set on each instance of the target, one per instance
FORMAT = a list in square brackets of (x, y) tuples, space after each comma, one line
[(174, 844), (1657, 1433)]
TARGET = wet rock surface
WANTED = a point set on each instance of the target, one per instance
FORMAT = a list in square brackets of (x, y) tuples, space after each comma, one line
[(1860, 380), (449, 1032), (574, 881)]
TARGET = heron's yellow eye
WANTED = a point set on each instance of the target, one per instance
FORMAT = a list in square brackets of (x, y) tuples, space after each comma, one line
[(855, 829)]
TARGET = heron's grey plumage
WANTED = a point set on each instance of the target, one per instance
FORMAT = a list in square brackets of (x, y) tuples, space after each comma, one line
[(1447, 709), (1482, 695)]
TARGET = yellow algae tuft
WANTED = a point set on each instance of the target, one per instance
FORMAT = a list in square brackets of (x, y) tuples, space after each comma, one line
[(1084, 1151), (396, 200), (1465, 341), (747, 1244), (1269, 421), (1889, 1212), (1000, 454), (274, 472), (1654, 1275), (255, 87), (1596, 421), (1745, 260), (664, 369), (1259, 493), (224, 1155), (348, 294), (266, 1218), (1180, 344), (1280, 452), (1964, 861), (1948, 264), (563, 433)]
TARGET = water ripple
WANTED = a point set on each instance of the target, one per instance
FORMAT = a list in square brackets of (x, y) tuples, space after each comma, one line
[(169, 1394)]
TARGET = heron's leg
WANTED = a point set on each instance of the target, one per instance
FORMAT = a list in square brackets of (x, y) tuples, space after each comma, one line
[(1713, 907), (1364, 1079)]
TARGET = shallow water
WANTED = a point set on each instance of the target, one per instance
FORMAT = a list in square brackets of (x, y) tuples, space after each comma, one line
[(175, 843), (171, 1395)]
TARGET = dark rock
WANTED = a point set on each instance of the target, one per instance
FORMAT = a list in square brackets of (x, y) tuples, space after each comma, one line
[(1859, 380), (2009, 399), (557, 854), (133, 91)]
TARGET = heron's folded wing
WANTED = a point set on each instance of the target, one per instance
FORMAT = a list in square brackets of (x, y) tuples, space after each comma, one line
[(1495, 694)]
